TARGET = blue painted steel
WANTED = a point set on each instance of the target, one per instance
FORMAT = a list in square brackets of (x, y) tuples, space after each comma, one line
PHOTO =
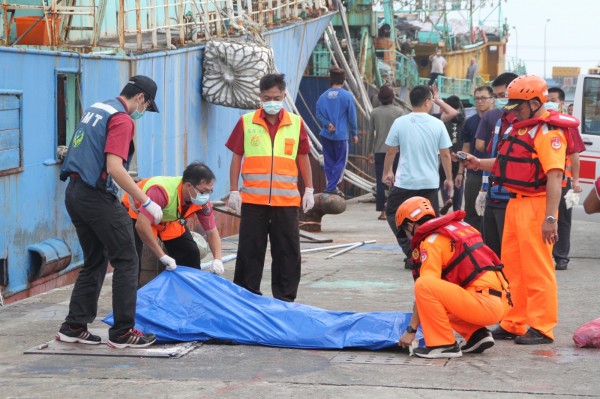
[(186, 129)]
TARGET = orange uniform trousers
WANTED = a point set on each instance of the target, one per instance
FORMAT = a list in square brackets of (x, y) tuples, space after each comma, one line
[(529, 268), (444, 306)]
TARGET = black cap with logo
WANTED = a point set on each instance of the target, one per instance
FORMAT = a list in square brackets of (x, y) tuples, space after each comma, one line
[(148, 86)]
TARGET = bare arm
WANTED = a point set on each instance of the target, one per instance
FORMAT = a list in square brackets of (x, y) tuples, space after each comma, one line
[(591, 204), (407, 338), (305, 169), (447, 165), (480, 145), (143, 226), (214, 242), (115, 168), (575, 168), (553, 192), (388, 173), (234, 172), (448, 113)]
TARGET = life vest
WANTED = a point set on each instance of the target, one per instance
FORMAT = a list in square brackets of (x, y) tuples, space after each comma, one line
[(269, 171), (471, 256), (174, 218), (517, 165), (86, 156)]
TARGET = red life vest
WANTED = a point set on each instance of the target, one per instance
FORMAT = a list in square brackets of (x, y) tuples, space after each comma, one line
[(471, 256), (517, 165)]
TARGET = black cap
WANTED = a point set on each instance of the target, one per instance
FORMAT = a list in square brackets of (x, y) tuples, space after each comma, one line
[(148, 86), (512, 104)]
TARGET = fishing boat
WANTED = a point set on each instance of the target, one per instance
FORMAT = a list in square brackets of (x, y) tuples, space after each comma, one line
[(58, 58)]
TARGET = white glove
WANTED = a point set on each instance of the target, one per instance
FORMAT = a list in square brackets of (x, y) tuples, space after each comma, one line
[(154, 209), (571, 198), (216, 267), (235, 202), (169, 262), (308, 200), (480, 203)]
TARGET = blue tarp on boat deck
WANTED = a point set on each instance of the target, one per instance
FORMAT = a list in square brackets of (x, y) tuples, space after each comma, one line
[(190, 305)]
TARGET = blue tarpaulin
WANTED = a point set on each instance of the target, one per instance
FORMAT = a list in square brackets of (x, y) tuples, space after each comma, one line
[(190, 305)]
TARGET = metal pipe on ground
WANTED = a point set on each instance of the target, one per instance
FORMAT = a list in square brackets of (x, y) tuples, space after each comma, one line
[(350, 248)]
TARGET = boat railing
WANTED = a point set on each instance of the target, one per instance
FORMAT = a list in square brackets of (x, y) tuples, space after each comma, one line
[(405, 71), (147, 24), (448, 86)]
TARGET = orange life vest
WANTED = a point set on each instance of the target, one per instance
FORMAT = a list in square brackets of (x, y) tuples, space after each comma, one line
[(470, 258), (517, 165)]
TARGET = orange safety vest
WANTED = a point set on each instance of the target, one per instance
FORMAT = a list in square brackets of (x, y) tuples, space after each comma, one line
[(470, 258), (174, 219), (269, 172), (517, 165)]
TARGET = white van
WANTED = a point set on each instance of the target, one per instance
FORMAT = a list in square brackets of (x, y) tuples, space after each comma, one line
[(586, 108)]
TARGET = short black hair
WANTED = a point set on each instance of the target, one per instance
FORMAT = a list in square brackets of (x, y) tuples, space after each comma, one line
[(337, 76), (419, 94), (197, 172), (271, 80), (130, 91), (454, 102), (504, 79), (486, 88), (561, 92)]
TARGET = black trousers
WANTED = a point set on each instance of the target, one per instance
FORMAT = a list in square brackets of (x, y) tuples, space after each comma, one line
[(493, 227), (380, 193), (472, 188), (279, 224), (183, 249), (396, 198), (562, 247), (105, 234)]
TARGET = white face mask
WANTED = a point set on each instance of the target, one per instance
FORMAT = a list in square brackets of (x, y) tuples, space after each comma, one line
[(550, 106), (272, 107), (500, 103)]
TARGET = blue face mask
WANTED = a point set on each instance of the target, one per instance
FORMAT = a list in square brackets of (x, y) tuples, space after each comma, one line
[(137, 114), (272, 107), (200, 199), (500, 102), (550, 106)]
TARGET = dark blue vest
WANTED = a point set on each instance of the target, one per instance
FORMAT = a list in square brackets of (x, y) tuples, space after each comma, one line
[(86, 151), (495, 192)]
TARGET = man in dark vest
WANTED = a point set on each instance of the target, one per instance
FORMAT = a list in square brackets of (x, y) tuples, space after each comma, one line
[(98, 157)]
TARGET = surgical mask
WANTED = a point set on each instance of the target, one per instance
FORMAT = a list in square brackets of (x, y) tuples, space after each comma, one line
[(550, 106), (137, 114), (500, 103), (272, 107), (199, 199)]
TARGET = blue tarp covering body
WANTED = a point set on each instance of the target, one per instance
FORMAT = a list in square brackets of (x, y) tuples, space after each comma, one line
[(190, 305)]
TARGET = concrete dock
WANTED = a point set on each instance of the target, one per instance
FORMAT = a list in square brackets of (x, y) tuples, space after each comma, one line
[(369, 278)]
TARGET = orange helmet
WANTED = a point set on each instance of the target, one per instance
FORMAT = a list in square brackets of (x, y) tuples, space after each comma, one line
[(413, 209), (525, 88)]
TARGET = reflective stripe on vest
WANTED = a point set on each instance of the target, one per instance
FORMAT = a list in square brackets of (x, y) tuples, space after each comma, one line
[(269, 171)]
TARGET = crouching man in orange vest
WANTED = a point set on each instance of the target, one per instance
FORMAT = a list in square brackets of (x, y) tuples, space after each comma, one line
[(180, 197), (459, 284)]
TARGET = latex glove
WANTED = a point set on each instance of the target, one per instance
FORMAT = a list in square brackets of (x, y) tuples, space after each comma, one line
[(154, 209), (169, 262), (571, 198), (480, 203), (216, 267), (235, 202), (308, 200)]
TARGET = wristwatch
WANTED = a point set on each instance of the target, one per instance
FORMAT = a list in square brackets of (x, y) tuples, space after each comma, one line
[(550, 219), (410, 330)]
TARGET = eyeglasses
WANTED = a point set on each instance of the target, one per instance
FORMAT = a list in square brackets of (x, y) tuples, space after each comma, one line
[(203, 192), (482, 99)]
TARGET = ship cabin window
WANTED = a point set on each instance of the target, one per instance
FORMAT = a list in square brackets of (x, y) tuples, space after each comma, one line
[(591, 106), (68, 109), (11, 141)]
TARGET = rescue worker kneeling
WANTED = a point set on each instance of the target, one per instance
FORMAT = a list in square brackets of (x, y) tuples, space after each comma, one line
[(459, 284)]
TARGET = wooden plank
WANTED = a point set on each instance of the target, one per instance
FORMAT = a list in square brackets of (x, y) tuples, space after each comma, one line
[(9, 119), (10, 159), (9, 139)]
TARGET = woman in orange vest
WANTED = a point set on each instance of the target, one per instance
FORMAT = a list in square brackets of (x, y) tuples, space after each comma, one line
[(459, 283), (180, 197)]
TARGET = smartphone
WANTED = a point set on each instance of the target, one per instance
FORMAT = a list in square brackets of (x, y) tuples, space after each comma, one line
[(461, 156)]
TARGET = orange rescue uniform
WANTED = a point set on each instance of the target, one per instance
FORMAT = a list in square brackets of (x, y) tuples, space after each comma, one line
[(444, 306), (526, 257)]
